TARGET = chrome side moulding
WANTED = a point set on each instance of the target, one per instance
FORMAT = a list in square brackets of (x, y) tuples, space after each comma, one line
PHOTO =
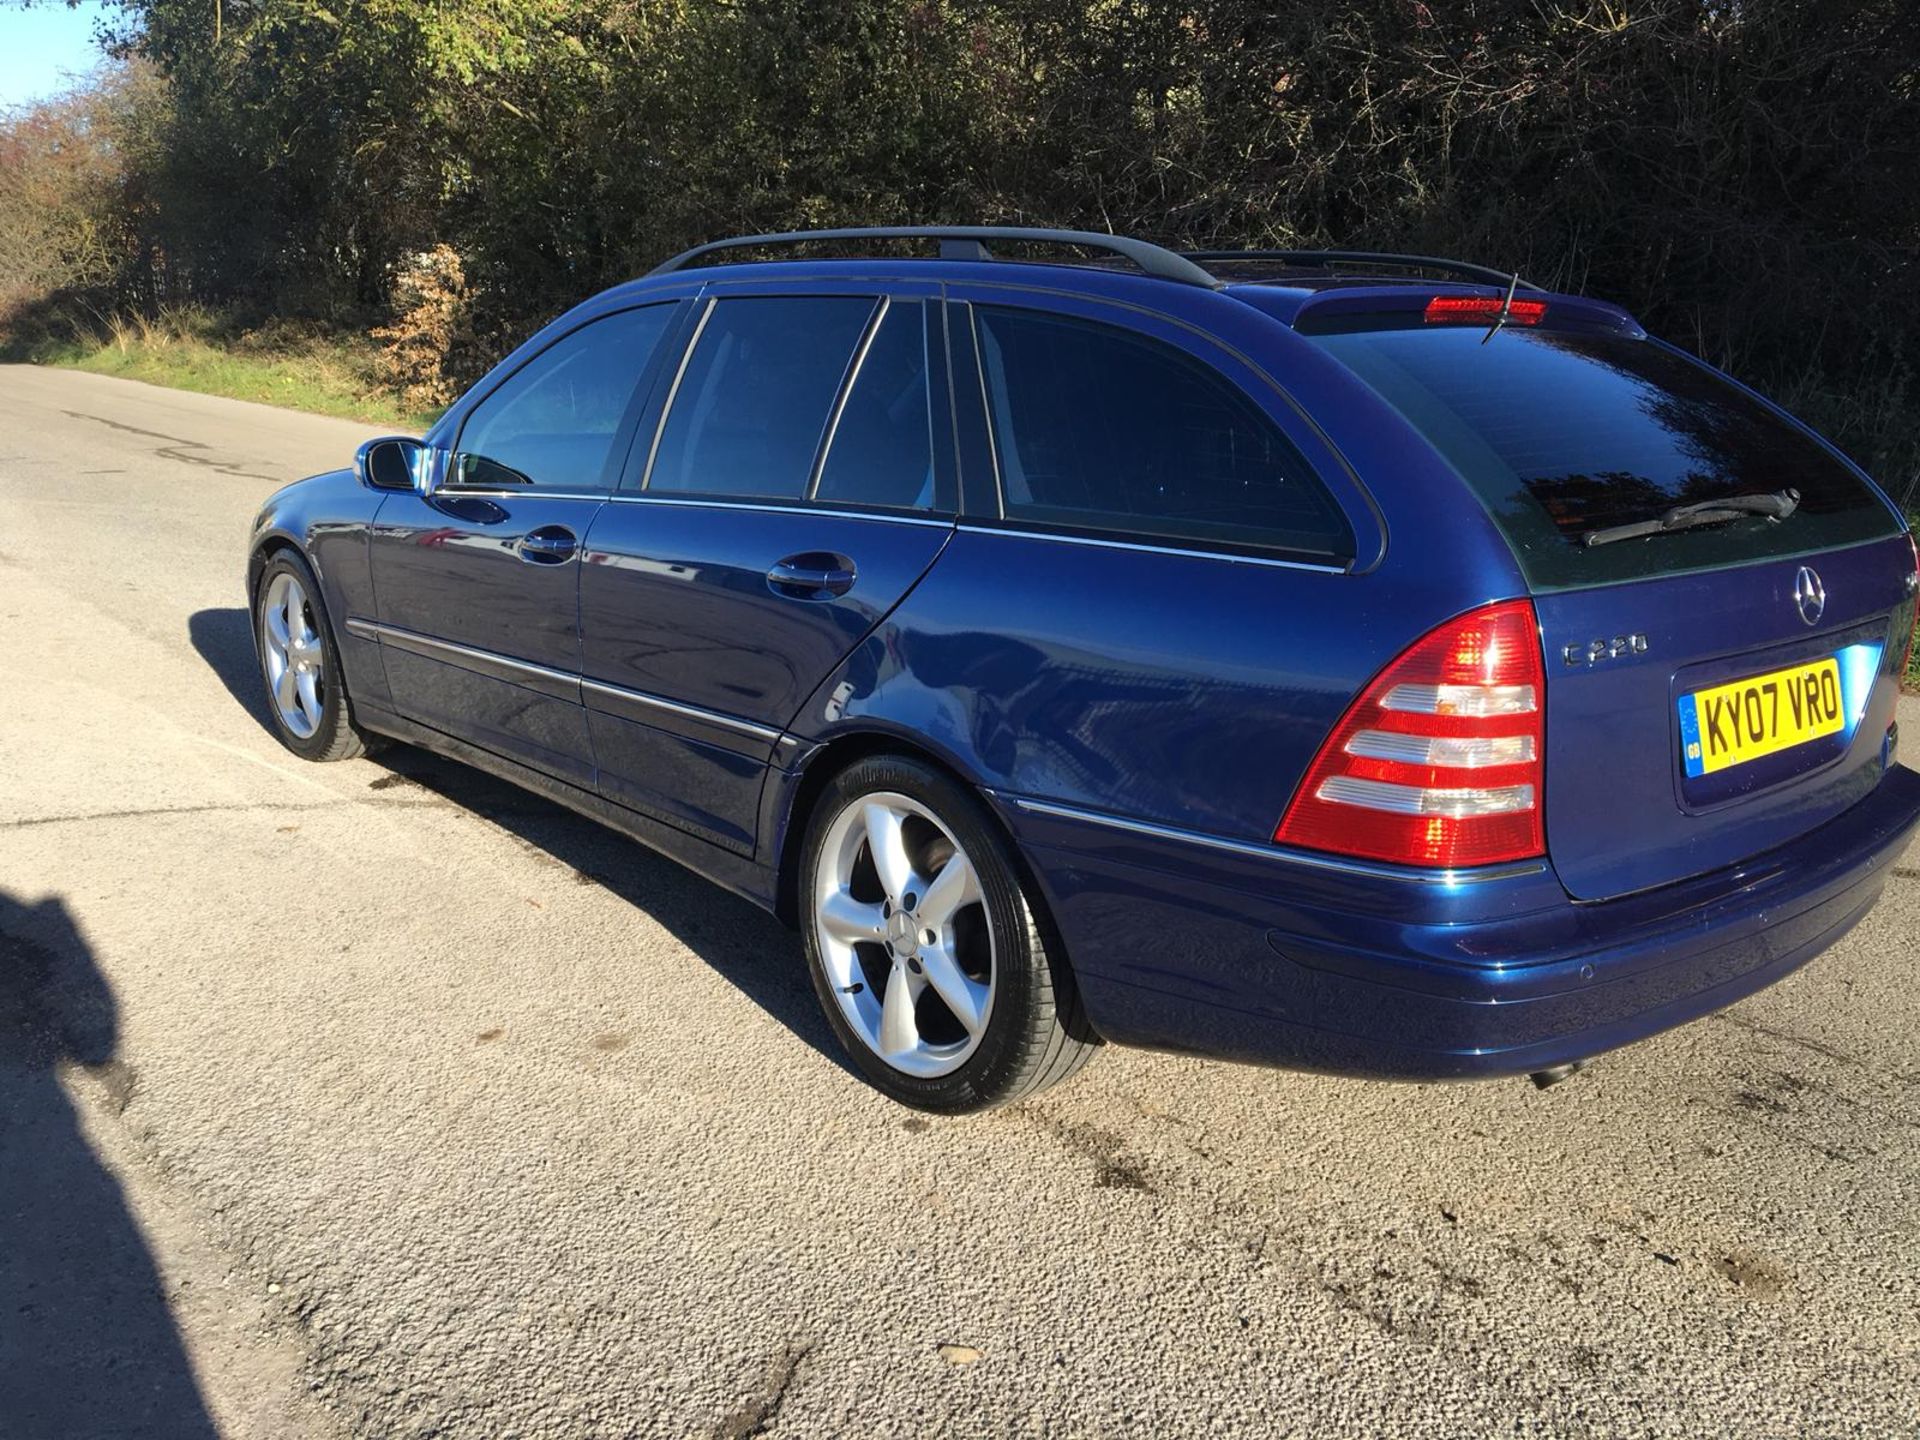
[(636, 705), (1278, 852), (557, 683), (615, 699)]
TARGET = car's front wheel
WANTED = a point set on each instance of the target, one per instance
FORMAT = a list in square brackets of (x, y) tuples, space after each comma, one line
[(300, 664), (925, 949)]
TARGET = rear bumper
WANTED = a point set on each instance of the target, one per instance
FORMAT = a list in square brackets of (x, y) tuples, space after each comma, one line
[(1275, 959)]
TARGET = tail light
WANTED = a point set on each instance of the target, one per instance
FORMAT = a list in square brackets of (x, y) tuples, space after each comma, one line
[(1441, 760), (1483, 309)]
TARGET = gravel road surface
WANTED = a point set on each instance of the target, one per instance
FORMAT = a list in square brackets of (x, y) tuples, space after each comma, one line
[(380, 1099)]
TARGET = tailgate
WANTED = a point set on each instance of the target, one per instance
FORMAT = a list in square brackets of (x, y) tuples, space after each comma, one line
[(1695, 720), (1673, 529)]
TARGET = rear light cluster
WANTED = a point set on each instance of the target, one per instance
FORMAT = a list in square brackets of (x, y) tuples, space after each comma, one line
[(1441, 760), (1483, 310)]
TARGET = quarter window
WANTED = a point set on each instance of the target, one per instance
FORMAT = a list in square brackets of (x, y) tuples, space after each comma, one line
[(1096, 427), (753, 400), (551, 424), (880, 450)]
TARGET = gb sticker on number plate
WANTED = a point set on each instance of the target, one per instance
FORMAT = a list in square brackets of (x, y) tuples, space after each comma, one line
[(1761, 715)]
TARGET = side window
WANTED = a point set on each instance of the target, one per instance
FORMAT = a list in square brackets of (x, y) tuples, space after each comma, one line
[(551, 423), (1101, 428), (880, 451), (752, 402)]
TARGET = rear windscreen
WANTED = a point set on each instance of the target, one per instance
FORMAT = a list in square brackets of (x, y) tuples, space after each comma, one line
[(1563, 434)]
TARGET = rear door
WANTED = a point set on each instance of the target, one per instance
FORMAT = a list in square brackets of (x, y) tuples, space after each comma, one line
[(1712, 691), (477, 584), (1151, 613), (796, 482)]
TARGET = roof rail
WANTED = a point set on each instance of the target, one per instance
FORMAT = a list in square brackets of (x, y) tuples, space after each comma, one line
[(1322, 259), (968, 242)]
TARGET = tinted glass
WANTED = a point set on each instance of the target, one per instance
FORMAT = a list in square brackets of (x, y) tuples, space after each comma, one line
[(881, 449), (1100, 428), (551, 424), (750, 409), (1564, 433)]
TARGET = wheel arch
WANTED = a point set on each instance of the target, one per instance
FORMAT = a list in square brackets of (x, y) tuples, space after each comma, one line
[(793, 811), (831, 758), (363, 669), (261, 553)]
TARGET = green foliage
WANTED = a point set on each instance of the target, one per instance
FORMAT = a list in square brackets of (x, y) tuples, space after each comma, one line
[(65, 208), (1745, 177)]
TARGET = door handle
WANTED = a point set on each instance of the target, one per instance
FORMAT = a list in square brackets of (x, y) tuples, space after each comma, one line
[(816, 575), (549, 545)]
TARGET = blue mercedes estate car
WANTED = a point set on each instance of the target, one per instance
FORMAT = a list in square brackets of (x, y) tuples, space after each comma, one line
[(1359, 663)]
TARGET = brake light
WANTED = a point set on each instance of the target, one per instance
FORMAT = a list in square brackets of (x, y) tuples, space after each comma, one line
[(1441, 761), (1482, 310)]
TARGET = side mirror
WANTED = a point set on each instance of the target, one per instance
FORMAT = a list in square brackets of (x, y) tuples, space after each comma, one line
[(391, 462)]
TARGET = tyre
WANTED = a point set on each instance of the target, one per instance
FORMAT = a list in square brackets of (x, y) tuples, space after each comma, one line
[(300, 664), (926, 950)]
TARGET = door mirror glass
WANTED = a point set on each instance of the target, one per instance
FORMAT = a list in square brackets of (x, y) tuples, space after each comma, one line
[(392, 462)]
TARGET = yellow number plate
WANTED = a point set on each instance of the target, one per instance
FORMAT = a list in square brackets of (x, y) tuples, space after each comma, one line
[(1732, 724)]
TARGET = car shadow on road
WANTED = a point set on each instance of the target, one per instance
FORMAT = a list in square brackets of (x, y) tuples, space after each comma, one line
[(743, 944), (224, 639), (87, 1344)]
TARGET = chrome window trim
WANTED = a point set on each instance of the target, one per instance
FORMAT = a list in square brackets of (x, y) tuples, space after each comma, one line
[(530, 492), (848, 380), (489, 660), (1277, 852), (996, 473), (673, 391), (770, 507), (1105, 542)]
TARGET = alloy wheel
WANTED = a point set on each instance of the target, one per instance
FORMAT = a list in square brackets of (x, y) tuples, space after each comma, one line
[(903, 931), (294, 656)]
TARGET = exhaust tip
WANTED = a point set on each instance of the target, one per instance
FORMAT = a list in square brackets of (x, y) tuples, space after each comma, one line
[(1554, 1074)]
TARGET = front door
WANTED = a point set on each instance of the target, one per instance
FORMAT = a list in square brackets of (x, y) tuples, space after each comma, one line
[(477, 584), (796, 488)]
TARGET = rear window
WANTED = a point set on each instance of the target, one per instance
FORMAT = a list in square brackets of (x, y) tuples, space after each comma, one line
[(747, 416), (1565, 433)]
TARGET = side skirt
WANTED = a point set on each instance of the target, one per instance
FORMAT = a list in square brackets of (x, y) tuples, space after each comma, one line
[(734, 872)]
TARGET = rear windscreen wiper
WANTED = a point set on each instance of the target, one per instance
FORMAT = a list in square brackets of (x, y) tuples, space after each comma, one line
[(1777, 506)]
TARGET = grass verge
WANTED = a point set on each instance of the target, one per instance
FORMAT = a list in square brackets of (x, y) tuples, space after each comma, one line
[(299, 367)]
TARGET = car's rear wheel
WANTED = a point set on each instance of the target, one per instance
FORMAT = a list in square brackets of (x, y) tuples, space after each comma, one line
[(300, 664), (926, 950)]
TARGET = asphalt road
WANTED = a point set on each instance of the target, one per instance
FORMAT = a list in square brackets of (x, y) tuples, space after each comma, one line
[(381, 1099)]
